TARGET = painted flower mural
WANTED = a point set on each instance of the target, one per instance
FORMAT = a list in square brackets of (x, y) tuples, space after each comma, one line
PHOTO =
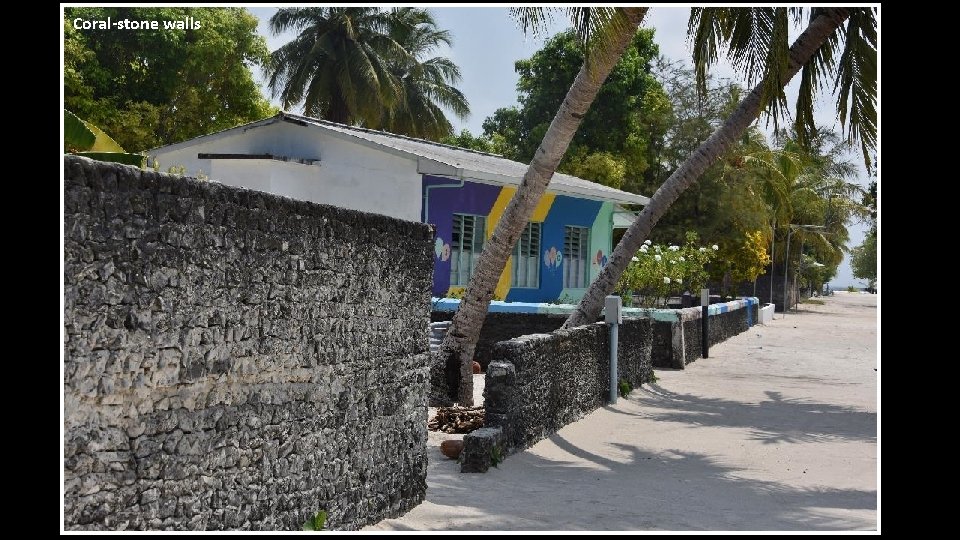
[(601, 259), (552, 258), (441, 250)]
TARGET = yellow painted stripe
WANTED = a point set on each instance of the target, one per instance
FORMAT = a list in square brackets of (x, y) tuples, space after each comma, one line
[(539, 214), (506, 193), (503, 285), (543, 207), (499, 206)]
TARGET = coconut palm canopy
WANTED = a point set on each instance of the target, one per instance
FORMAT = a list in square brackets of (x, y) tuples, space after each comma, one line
[(756, 42), (367, 66)]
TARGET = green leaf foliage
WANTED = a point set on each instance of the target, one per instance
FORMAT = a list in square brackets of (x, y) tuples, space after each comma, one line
[(85, 139), (755, 40), (657, 272), (753, 191), (601, 167), (864, 260), (154, 87), (367, 66), (623, 128), (102, 142), (77, 136), (496, 455), (492, 145), (317, 522), (137, 160)]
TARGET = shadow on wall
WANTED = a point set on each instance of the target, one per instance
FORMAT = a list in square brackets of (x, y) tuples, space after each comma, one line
[(540, 383)]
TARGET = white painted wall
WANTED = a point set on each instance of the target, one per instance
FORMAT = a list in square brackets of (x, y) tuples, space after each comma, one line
[(766, 314), (349, 174)]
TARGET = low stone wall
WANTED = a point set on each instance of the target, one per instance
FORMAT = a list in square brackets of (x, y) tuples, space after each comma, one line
[(724, 326), (766, 314), (539, 383), (499, 327), (677, 335), (238, 360)]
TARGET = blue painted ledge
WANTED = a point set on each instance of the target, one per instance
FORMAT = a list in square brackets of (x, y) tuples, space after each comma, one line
[(669, 315)]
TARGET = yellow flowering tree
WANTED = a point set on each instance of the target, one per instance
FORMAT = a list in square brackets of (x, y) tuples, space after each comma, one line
[(741, 261)]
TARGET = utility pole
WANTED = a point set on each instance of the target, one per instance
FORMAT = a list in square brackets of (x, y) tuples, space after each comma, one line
[(786, 259)]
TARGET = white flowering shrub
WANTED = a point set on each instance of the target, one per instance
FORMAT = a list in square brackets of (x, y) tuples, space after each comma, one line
[(657, 272)]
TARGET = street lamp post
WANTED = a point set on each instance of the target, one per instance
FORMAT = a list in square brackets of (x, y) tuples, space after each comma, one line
[(815, 264), (786, 259), (773, 247)]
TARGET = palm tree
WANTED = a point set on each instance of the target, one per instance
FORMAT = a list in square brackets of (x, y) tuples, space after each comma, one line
[(756, 41), (608, 31), (806, 183), (820, 194), (360, 65), (427, 84), (337, 65)]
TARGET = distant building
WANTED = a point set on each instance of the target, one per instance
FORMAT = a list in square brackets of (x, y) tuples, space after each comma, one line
[(461, 192)]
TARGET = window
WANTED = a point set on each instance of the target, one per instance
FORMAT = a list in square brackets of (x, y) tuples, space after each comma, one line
[(526, 258), (575, 247), (466, 243)]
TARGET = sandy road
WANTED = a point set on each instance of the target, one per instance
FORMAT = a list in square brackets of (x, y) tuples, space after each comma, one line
[(777, 430)]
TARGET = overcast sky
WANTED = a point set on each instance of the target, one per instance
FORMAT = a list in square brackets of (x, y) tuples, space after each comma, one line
[(487, 42)]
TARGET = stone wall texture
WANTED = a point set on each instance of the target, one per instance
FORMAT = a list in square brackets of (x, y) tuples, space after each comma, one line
[(724, 326), (497, 327), (238, 360), (539, 383), (678, 343)]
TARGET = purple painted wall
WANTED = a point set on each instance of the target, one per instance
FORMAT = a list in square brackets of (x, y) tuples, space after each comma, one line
[(472, 198)]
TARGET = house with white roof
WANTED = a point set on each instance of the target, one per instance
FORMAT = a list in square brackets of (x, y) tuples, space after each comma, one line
[(461, 192)]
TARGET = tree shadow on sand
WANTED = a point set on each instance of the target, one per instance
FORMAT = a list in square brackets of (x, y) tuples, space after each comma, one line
[(671, 490), (775, 420)]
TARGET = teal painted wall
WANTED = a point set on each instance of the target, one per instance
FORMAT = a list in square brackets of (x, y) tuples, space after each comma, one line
[(601, 238)]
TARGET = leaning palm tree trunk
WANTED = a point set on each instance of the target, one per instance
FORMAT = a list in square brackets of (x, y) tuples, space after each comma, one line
[(816, 34), (464, 331)]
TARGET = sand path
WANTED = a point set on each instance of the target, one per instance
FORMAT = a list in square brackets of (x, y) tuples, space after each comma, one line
[(777, 430)]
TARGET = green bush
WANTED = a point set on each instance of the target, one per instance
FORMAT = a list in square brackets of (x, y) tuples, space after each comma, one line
[(657, 272), (496, 456), (317, 522)]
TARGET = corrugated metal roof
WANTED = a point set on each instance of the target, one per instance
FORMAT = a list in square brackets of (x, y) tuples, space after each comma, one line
[(453, 161), (473, 164)]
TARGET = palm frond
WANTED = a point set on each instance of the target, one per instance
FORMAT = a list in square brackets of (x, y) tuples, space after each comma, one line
[(755, 40), (856, 82), (812, 80), (592, 25), (706, 35), (363, 65), (535, 20)]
